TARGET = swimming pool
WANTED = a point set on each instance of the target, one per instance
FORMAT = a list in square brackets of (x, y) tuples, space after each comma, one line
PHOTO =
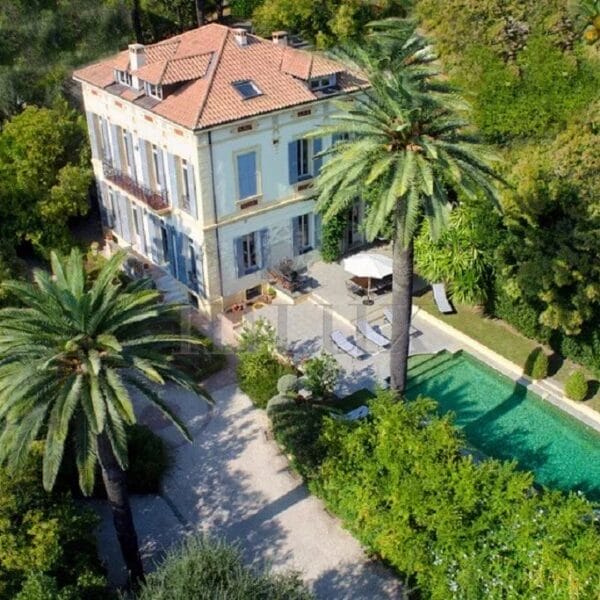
[(504, 420)]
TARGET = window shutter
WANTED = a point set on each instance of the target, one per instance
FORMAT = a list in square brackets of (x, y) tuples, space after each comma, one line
[(160, 176), (102, 194), (172, 180), (238, 251), (126, 221), (246, 164), (192, 189), (293, 161), (181, 261), (116, 149), (154, 232), (146, 180), (296, 235), (265, 248), (317, 228), (106, 152), (317, 162), (143, 216), (172, 254), (94, 142), (131, 154)]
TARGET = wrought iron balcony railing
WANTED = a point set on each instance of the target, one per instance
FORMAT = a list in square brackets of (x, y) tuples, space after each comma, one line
[(158, 201)]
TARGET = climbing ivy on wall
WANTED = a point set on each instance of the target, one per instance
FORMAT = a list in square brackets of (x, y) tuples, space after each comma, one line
[(331, 238)]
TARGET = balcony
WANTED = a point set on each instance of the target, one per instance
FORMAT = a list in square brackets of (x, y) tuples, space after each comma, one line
[(157, 201)]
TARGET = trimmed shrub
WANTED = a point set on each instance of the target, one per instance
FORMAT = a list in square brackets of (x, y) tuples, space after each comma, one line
[(204, 569), (276, 401), (321, 374), (576, 386), (148, 460), (583, 349), (536, 365), (287, 385), (258, 375)]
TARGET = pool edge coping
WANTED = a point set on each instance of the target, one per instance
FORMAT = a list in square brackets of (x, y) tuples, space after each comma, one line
[(547, 390)]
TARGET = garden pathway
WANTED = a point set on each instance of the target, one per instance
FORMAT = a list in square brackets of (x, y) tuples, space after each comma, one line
[(233, 482)]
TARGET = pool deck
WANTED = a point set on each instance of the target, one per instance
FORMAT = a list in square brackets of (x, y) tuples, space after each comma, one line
[(304, 329)]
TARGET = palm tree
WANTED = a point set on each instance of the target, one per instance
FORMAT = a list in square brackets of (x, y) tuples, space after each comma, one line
[(404, 141), (70, 353)]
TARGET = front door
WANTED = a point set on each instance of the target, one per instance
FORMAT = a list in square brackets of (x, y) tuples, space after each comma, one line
[(354, 236)]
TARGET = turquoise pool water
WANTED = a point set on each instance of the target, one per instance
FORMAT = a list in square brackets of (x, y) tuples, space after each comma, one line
[(505, 420)]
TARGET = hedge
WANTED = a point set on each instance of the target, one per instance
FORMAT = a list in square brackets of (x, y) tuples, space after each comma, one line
[(258, 374), (451, 526)]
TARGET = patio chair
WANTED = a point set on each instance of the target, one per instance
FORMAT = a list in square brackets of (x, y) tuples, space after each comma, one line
[(441, 300), (354, 289), (345, 345), (365, 328)]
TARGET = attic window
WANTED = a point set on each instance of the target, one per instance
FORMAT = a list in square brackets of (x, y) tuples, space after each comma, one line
[(247, 89), (321, 83), (123, 77), (154, 91)]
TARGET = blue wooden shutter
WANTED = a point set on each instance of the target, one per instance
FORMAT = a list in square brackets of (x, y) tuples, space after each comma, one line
[(146, 179), (172, 238), (94, 142), (116, 148), (143, 217), (172, 176), (181, 260), (102, 191), (238, 251), (317, 162), (246, 164), (191, 180), (296, 235), (265, 248), (154, 233), (293, 161)]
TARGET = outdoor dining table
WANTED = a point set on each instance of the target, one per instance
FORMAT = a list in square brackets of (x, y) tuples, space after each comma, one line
[(376, 285)]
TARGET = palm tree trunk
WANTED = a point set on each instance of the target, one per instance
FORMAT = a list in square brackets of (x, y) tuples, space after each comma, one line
[(401, 314), (200, 12), (115, 482)]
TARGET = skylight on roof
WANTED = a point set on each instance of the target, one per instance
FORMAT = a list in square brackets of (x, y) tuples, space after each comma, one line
[(247, 89)]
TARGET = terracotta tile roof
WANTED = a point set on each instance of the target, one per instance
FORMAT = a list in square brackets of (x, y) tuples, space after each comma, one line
[(205, 62)]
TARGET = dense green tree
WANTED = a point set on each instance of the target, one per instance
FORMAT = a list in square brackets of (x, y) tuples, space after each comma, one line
[(41, 41), (406, 140), (44, 177), (69, 357), (324, 23), (47, 542)]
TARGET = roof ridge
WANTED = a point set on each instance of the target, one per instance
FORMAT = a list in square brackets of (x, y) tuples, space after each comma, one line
[(217, 58)]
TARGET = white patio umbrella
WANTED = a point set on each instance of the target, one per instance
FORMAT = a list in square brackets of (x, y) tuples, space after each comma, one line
[(372, 266)]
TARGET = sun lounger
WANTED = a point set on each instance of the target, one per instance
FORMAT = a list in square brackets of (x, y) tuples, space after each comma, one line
[(345, 345), (365, 328), (358, 413), (441, 300)]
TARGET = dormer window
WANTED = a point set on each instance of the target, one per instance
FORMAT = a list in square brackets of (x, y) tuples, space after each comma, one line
[(247, 89), (154, 91), (321, 83), (124, 77)]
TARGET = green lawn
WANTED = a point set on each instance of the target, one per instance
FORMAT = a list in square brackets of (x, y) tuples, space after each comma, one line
[(499, 337)]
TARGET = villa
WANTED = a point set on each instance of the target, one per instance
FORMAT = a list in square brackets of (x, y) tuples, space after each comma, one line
[(202, 158)]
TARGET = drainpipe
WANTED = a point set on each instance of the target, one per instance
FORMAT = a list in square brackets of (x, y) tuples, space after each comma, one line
[(214, 195)]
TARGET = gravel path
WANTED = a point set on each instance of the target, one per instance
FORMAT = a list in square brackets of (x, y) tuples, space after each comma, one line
[(233, 482)]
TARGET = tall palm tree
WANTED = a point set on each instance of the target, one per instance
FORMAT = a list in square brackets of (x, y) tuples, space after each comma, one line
[(405, 141), (70, 353)]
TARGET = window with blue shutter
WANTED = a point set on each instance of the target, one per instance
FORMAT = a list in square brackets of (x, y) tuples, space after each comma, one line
[(300, 160), (93, 134), (317, 160), (116, 148), (172, 178), (293, 162), (301, 234), (246, 170), (190, 188), (246, 251)]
